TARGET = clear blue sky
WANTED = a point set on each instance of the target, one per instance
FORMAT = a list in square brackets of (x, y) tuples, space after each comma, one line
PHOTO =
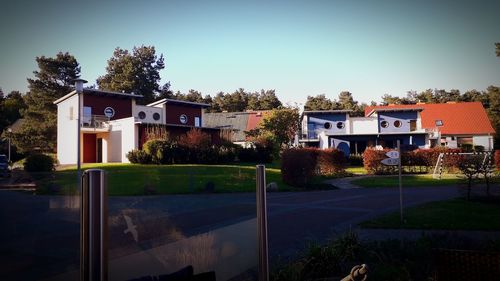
[(299, 48)]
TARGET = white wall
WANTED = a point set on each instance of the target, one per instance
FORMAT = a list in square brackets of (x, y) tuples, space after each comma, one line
[(486, 141), (123, 137), (363, 125), (149, 110), (67, 130)]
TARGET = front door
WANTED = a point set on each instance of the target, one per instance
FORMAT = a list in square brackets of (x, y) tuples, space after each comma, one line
[(89, 148)]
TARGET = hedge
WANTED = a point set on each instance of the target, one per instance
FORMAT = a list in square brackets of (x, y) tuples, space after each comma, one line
[(39, 163), (419, 160), (300, 165)]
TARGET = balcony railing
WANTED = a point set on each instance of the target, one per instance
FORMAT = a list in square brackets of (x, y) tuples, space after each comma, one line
[(95, 122)]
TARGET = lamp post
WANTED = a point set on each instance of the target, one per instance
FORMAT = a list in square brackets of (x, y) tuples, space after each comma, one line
[(79, 90), (9, 130)]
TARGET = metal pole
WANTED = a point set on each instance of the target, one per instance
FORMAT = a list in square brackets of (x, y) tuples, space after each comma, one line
[(9, 149), (94, 226), (400, 182), (78, 164), (262, 223)]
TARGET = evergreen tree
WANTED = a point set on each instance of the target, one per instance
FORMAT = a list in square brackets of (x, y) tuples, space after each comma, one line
[(53, 80), (137, 72)]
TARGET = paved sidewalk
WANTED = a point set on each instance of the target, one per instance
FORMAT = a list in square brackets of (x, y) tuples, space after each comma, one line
[(345, 183)]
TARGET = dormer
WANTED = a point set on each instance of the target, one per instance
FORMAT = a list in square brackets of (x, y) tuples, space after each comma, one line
[(397, 120)]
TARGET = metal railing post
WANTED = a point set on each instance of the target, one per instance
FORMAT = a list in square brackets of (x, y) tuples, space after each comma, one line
[(262, 223), (94, 226)]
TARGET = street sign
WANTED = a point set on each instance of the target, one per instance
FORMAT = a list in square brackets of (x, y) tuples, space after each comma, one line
[(392, 154), (390, 161)]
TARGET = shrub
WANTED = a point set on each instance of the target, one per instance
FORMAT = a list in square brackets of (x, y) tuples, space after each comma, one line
[(466, 147), (478, 148), (372, 161), (195, 138), (39, 163), (497, 158), (356, 160), (155, 149), (137, 156), (330, 161), (258, 154), (298, 166)]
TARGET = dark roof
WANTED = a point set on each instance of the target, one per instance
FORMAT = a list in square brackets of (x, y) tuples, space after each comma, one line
[(236, 121), (199, 104), (98, 92)]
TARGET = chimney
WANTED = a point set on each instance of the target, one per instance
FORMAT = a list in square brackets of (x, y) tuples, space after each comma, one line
[(79, 85)]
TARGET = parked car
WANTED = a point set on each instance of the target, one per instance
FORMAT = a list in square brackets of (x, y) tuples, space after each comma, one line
[(4, 166)]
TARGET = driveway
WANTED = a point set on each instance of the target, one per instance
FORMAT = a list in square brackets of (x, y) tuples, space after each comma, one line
[(40, 234)]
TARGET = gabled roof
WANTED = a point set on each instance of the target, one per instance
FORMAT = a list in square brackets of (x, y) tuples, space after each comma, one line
[(98, 92), (162, 101), (239, 122), (465, 118)]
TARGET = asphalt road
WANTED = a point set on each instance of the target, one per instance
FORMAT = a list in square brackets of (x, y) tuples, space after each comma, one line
[(39, 235)]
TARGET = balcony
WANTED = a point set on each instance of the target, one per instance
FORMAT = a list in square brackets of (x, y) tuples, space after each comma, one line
[(98, 123)]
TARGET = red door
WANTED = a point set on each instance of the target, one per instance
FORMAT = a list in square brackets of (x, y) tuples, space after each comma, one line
[(89, 148)]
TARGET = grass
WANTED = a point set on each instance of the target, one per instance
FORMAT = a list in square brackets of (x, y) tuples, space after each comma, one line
[(408, 180), (455, 214), (133, 179), (356, 170)]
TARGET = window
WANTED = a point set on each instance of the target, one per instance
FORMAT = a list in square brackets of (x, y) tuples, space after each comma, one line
[(70, 113), (327, 125), (197, 122), (384, 124), (397, 124), (183, 119), (156, 116), (142, 115), (439, 123), (340, 125)]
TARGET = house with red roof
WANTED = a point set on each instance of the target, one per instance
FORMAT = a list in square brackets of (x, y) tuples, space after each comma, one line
[(416, 126)]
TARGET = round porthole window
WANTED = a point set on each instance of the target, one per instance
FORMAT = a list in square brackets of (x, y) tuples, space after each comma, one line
[(397, 123), (156, 116), (340, 125), (384, 124), (183, 118), (109, 112), (142, 115), (327, 125)]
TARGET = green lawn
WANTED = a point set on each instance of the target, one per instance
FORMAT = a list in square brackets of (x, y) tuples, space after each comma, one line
[(456, 214), (132, 179), (408, 180)]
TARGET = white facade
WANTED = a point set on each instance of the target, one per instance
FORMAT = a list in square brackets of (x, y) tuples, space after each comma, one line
[(67, 114)]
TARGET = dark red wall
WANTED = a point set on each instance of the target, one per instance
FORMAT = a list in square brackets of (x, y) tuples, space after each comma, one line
[(174, 111), (89, 148), (122, 106)]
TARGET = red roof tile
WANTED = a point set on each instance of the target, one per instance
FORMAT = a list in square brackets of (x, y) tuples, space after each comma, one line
[(458, 118), (254, 118)]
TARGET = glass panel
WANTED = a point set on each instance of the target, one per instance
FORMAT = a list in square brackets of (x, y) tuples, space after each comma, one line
[(177, 218), (40, 226)]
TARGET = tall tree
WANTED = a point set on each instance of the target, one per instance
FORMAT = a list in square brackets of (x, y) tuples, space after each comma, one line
[(53, 80), (346, 101), (320, 102), (10, 109), (137, 72), (281, 126)]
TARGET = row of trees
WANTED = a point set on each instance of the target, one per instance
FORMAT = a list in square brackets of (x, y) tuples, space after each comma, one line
[(138, 71)]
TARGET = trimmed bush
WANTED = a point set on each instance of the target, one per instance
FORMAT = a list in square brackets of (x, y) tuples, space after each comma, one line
[(39, 163), (137, 156), (330, 161), (298, 166), (155, 149)]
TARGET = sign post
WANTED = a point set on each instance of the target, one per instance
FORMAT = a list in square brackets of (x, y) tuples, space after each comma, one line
[(393, 160), (400, 183)]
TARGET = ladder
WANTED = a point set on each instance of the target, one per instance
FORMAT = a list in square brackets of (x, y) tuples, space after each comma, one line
[(438, 169)]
